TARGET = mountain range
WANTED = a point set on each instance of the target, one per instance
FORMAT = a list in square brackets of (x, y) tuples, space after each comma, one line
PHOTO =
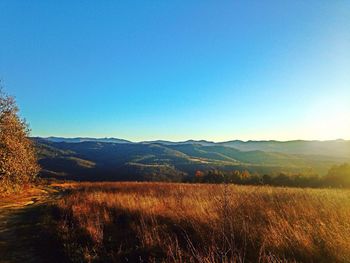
[(118, 159)]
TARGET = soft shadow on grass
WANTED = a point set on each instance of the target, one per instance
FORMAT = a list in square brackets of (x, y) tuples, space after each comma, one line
[(121, 242), (140, 222), (27, 235)]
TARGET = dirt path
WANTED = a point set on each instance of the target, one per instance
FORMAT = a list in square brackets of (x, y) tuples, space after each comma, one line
[(25, 227)]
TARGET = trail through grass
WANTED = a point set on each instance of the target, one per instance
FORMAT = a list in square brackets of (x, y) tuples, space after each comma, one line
[(25, 227)]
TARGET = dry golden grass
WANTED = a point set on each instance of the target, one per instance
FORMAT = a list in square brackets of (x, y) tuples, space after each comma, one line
[(160, 222)]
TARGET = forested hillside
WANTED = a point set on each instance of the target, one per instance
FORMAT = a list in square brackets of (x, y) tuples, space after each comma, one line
[(100, 160)]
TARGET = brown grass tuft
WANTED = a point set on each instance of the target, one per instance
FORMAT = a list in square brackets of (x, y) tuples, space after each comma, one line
[(160, 222)]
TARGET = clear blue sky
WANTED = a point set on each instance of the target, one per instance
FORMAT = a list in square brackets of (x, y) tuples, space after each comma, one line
[(176, 70)]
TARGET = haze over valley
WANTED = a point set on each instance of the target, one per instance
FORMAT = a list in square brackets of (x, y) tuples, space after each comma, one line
[(117, 159)]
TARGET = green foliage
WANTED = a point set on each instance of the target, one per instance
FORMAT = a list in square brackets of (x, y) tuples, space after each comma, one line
[(339, 176)]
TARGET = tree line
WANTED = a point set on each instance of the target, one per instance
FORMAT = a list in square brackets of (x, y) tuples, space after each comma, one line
[(337, 176)]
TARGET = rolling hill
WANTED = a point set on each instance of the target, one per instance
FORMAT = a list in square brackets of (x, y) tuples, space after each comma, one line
[(335, 148), (98, 159)]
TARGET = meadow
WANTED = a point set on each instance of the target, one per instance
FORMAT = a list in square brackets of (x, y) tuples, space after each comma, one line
[(167, 222)]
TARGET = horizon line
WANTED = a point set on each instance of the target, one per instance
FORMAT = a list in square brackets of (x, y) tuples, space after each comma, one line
[(187, 140)]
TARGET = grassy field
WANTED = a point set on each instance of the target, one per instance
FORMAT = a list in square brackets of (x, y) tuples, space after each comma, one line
[(160, 222)]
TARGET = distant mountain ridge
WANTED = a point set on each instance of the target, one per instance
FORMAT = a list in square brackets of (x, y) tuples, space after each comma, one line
[(115, 159), (336, 148), (200, 142), (82, 139)]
